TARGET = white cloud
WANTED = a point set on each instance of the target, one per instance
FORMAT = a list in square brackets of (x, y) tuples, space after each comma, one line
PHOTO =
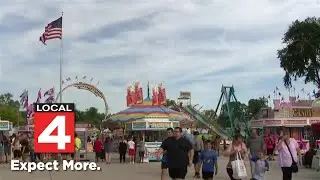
[(190, 45)]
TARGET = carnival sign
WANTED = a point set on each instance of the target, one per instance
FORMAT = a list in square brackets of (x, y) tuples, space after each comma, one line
[(91, 88), (272, 123), (301, 112), (175, 124), (4, 125), (152, 149), (159, 125), (185, 95), (139, 125), (294, 122), (88, 87)]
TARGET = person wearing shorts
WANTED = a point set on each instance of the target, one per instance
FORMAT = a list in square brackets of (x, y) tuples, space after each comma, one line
[(208, 159), (164, 160), (132, 150), (180, 154), (198, 147), (77, 146)]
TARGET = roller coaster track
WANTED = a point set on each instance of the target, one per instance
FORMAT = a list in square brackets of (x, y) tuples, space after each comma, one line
[(195, 114)]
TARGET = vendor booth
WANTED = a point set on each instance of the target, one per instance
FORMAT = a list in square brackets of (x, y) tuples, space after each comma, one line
[(149, 122), (316, 132)]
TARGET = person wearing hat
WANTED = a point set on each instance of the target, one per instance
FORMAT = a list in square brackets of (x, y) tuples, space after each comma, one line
[(198, 147)]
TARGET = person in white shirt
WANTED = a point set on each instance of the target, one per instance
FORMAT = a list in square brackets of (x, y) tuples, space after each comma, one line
[(132, 151)]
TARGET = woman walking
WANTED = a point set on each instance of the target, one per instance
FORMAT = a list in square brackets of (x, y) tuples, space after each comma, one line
[(237, 146), (108, 144), (289, 150), (5, 145), (97, 147)]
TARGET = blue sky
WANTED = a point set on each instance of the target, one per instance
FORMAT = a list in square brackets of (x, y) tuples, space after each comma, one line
[(190, 45)]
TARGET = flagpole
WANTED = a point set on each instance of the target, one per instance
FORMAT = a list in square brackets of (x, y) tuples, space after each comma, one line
[(61, 52)]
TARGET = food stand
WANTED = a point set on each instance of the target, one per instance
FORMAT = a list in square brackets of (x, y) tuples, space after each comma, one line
[(81, 132), (149, 122), (153, 131)]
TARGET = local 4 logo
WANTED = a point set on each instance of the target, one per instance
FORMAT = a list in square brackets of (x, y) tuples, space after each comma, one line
[(54, 128)]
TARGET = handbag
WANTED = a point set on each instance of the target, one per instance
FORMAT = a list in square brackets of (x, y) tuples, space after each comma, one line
[(294, 165), (238, 168)]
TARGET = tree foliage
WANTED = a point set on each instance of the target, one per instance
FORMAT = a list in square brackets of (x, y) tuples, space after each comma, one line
[(300, 56), (170, 103), (9, 109), (255, 106)]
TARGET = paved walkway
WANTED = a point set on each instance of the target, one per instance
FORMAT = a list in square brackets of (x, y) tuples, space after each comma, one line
[(146, 171)]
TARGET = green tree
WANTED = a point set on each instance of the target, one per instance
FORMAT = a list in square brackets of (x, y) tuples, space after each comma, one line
[(209, 113), (9, 109), (90, 115), (301, 55), (238, 111), (255, 106), (170, 103)]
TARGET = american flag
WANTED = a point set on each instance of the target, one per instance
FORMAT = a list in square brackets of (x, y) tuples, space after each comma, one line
[(52, 31), (49, 100), (39, 96), (50, 92)]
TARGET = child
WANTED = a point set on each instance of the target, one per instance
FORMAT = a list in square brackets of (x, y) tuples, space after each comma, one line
[(261, 165), (132, 151), (209, 161)]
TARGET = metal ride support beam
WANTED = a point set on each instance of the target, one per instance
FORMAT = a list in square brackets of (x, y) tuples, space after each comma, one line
[(227, 95)]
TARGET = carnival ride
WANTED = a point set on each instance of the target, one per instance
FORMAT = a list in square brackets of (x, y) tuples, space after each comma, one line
[(89, 87), (227, 97)]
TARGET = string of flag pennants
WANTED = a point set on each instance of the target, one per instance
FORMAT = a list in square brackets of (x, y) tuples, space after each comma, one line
[(302, 94), (69, 79), (24, 101)]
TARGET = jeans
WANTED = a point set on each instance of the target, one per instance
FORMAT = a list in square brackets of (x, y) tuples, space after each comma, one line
[(286, 173), (32, 156), (122, 157)]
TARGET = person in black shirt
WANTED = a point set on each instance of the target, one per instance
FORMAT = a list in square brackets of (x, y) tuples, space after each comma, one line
[(164, 160), (179, 153), (123, 146)]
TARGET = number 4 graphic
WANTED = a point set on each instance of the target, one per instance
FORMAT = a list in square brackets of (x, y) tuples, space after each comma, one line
[(61, 139)]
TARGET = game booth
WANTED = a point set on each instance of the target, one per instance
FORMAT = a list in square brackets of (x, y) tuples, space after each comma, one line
[(149, 122), (299, 116)]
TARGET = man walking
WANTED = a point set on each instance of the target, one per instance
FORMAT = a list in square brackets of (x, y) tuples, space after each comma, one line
[(179, 153), (164, 160)]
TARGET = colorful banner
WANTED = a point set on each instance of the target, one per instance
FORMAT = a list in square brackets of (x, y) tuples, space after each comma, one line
[(4, 125), (152, 149)]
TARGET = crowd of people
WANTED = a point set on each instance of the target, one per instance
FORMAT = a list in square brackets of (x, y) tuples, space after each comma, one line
[(21, 147), (179, 153), (16, 147)]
